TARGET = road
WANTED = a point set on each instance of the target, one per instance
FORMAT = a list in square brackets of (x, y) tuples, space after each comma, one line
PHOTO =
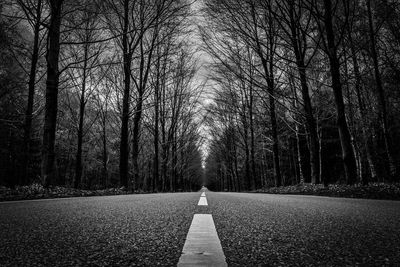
[(150, 230)]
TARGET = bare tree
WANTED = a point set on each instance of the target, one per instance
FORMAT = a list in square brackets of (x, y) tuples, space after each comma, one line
[(36, 20), (380, 92), (50, 119), (324, 19), (295, 21)]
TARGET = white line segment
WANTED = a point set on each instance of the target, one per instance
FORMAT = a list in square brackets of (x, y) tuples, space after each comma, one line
[(202, 246), (202, 201)]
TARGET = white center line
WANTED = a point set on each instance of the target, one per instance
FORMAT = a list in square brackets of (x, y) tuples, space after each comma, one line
[(202, 246), (202, 201)]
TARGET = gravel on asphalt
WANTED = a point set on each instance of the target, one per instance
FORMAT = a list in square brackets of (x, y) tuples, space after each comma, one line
[(133, 230), (150, 230), (282, 230)]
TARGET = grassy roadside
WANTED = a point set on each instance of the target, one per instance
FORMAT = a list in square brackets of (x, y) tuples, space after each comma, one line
[(37, 191), (371, 191)]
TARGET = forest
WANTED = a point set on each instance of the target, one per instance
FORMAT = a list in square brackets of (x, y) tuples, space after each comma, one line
[(170, 95), (306, 91), (98, 94)]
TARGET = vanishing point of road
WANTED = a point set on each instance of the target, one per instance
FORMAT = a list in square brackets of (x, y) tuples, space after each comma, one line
[(153, 230)]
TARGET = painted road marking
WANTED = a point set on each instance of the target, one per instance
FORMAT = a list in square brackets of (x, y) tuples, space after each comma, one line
[(202, 201), (203, 194), (202, 246)]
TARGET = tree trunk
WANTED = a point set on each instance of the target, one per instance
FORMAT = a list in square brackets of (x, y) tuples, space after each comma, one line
[(143, 76), (164, 146), (363, 114), (236, 167), (310, 124), (82, 105), (247, 153), (354, 143), (252, 142), (275, 140), (293, 150), (299, 156), (31, 95), (274, 125), (78, 160), (156, 186), (105, 155), (51, 107), (268, 67), (135, 141), (127, 58), (164, 157), (308, 110), (381, 95), (325, 180), (164, 167), (174, 164), (345, 138)]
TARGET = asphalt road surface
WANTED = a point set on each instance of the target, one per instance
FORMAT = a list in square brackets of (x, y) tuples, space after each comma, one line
[(150, 230)]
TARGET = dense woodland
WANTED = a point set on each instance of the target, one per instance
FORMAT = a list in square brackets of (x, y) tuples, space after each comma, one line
[(306, 91), (100, 94)]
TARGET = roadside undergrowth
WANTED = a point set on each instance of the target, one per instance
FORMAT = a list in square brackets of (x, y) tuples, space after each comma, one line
[(371, 191), (37, 191)]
